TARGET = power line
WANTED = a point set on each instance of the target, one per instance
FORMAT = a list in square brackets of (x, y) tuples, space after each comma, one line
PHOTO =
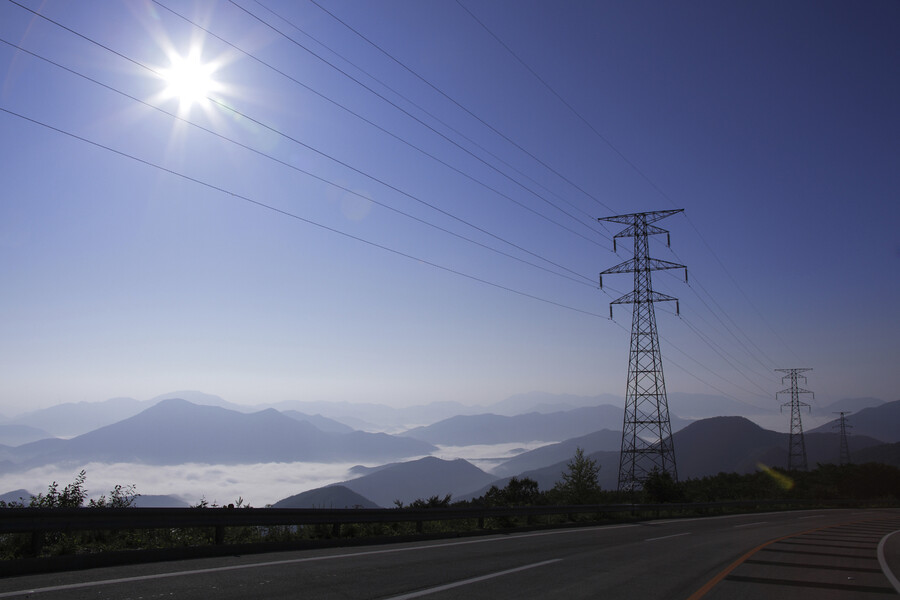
[(727, 357), (355, 80), (669, 360), (581, 280), (725, 327), (722, 354), (304, 144), (712, 298), (630, 163), (291, 215), (739, 288), (281, 162), (561, 99), (460, 105), (410, 100), (426, 125)]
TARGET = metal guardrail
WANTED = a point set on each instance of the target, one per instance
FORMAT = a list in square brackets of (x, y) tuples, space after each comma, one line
[(38, 521)]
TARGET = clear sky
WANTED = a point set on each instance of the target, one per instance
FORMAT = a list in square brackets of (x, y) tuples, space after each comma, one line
[(409, 216)]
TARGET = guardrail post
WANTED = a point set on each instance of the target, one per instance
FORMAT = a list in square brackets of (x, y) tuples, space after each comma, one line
[(480, 522), (420, 526), (336, 530), (220, 535)]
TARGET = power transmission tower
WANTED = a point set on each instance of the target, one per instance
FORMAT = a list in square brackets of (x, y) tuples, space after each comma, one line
[(647, 431), (797, 449), (844, 457)]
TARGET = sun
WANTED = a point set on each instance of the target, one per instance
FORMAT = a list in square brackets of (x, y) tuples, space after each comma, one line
[(189, 80)]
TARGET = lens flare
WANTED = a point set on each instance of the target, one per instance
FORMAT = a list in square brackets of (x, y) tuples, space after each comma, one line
[(783, 481)]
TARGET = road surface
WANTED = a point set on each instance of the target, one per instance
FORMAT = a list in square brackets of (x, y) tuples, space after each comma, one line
[(802, 554)]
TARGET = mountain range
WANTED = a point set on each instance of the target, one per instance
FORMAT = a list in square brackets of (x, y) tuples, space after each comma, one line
[(332, 496), (705, 447), (420, 478), (16, 435), (604, 440), (466, 430), (878, 422), (175, 431), (72, 419)]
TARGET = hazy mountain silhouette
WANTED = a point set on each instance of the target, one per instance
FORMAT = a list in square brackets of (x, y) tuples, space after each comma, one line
[(74, 418), (142, 500), (16, 435), (880, 422), (464, 430), (31, 450), (546, 402), (70, 419), (23, 496), (378, 417), (176, 431), (195, 397), (605, 440), (319, 422), (852, 404), (333, 496), (423, 478), (704, 406)]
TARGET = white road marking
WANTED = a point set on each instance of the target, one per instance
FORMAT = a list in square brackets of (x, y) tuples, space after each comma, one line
[(457, 584), (87, 584), (883, 562), (750, 524), (665, 537)]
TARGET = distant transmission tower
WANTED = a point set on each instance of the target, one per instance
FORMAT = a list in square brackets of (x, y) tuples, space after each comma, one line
[(647, 431), (844, 457), (797, 450)]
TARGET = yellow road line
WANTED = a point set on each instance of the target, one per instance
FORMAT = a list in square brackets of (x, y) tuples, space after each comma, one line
[(727, 570)]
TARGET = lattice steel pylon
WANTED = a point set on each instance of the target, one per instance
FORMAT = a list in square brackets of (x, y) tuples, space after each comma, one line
[(797, 447), (647, 431), (844, 456)]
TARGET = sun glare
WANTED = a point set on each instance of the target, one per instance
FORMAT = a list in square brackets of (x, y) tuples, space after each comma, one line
[(189, 80)]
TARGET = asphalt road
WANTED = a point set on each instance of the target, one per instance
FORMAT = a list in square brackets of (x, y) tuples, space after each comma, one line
[(805, 554)]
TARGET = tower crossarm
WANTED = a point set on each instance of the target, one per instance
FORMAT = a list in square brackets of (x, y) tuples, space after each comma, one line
[(795, 390), (652, 296), (648, 217), (631, 298), (633, 231), (653, 264), (795, 372), (797, 403)]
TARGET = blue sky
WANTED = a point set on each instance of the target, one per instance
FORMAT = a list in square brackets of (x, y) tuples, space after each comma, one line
[(142, 260)]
